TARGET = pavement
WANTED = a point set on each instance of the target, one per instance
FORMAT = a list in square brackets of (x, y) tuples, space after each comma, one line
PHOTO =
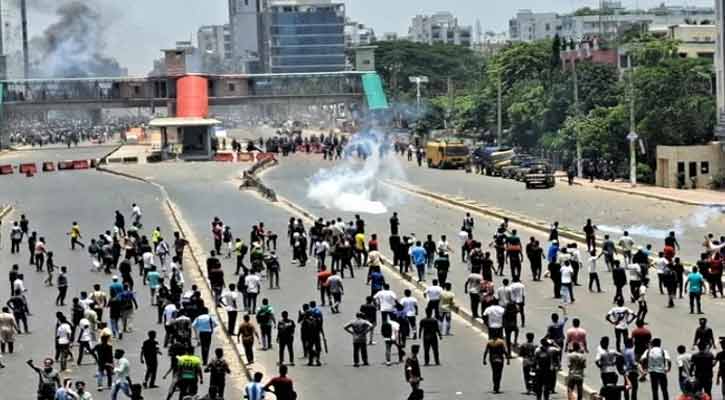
[(648, 220), (421, 216), (693, 197), (460, 377), (52, 202)]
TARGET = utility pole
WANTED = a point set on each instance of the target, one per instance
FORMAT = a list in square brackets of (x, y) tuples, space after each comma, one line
[(451, 90), (632, 137), (499, 132), (579, 163), (418, 80)]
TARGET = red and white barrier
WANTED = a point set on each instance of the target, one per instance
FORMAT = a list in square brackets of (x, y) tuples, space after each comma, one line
[(28, 169), (6, 169)]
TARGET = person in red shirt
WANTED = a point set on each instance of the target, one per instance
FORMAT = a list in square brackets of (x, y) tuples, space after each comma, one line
[(642, 336), (373, 243), (322, 284), (576, 334), (282, 385)]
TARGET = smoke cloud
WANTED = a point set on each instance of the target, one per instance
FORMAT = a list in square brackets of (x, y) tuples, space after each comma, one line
[(74, 46), (698, 219), (354, 185)]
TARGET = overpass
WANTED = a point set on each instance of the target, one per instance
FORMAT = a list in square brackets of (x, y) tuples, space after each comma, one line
[(356, 90)]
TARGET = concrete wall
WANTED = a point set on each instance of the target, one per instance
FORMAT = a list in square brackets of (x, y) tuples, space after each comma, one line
[(231, 87), (707, 160)]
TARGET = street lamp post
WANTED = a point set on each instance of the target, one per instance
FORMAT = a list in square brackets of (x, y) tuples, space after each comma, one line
[(632, 136), (418, 80)]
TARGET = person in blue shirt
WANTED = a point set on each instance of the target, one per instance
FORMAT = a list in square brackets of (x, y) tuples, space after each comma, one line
[(419, 257), (153, 279), (553, 252), (376, 281), (115, 287), (695, 287), (204, 326)]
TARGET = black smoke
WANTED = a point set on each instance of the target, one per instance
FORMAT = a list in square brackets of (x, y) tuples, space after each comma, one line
[(73, 46)]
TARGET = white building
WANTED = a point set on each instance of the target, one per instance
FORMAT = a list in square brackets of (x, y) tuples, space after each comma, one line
[(215, 40), (530, 26), (357, 34), (244, 27), (441, 27), (720, 68)]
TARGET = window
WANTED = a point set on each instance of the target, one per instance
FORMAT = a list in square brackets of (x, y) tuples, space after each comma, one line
[(136, 90), (692, 169), (232, 88), (704, 167), (547, 27)]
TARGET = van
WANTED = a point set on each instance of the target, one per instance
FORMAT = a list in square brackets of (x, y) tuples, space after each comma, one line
[(447, 154)]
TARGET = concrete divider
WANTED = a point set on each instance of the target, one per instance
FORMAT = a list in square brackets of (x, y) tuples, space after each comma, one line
[(28, 168), (264, 156), (64, 165), (6, 169), (130, 160), (48, 166), (114, 160), (81, 164), (251, 181)]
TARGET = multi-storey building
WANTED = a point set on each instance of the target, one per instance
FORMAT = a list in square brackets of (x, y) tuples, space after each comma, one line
[(12, 42), (245, 30), (441, 27), (303, 36), (215, 40), (530, 26), (357, 34)]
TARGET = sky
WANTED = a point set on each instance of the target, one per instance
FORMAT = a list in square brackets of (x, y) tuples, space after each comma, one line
[(138, 29)]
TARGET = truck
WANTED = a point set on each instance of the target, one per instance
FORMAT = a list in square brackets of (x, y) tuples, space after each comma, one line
[(487, 158), (540, 175), (447, 154)]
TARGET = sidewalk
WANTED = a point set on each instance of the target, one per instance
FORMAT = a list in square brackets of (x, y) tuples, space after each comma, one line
[(695, 197)]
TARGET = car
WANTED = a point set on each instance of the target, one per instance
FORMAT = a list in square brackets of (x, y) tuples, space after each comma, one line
[(509, 171), (540, 175)]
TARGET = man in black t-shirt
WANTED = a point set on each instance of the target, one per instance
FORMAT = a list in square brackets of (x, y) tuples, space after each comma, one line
[(149, 356), (218, 370)]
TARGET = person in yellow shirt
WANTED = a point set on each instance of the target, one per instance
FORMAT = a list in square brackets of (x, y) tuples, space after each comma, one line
[(75, 236), (361, 253)]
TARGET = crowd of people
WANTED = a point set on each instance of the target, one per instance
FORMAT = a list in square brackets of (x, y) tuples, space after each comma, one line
[(69, 131)]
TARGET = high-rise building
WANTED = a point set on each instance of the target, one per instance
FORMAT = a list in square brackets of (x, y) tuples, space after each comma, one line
[(215, 40), (528, 26), (303, 36), (441, 27), (245, 29), (12, 41), (720, 68)]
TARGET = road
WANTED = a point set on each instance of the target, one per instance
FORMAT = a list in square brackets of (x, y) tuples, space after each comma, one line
[(52, 202), (422, 217), (460, 377)]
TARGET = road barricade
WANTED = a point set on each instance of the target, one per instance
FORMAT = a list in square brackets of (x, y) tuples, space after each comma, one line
[(265, 156), (6, 169), (130, 160), (64, 165), (28, 168), (224, 157), (245, 157), (81, 164), (48, 166)]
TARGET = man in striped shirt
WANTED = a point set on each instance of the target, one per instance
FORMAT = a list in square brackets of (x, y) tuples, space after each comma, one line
[(254, 390)]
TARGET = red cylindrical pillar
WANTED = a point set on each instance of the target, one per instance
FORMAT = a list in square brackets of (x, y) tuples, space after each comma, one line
[(192, 97)]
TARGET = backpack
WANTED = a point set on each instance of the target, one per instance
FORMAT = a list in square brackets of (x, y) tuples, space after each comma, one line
[(47, 388), (263, 316), (542, 360)]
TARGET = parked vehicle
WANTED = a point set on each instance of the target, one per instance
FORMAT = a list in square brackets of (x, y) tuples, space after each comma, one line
[(447, 154), (540, 175)]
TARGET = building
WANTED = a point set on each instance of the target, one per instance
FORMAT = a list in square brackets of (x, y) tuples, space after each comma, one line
[(591, 50), (303, 36), (215, 40), (357, 34), (694, 41), (528, 26), (441, 27), (491, 43), (689, 166), (13, 39), (245, 30), (390, 36), (720, 68)]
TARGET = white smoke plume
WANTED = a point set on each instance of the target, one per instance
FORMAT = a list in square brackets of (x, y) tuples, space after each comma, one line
[(698, 219), (354, 185)]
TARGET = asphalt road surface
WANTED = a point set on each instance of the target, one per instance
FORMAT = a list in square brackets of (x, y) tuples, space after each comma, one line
[(52, 202)]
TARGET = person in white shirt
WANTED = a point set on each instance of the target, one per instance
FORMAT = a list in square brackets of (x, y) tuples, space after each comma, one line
[(443, 246), (660, 265), (620, 316), (84, 340), (63, 339), (148, 261), (627, 244), (473, 289), (386, 299), (493, 318), (136, 215), (393, 340), (231, 299), (170, 312), (635, 280), (433, 294), (503, 293), (410, 308), (252, 283), (567, 286), (518, 297), (593, 274)]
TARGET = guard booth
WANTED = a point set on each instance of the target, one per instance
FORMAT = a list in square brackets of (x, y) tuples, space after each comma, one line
[(186, 138)]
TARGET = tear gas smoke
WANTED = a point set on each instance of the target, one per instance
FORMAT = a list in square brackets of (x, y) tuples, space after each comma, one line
[(354, 185), (73, 47), (698, 219)]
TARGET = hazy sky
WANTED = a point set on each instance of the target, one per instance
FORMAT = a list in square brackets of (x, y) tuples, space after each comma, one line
[(138, 29)]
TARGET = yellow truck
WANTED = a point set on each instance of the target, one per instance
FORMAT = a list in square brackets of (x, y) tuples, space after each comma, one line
[(447, 154)]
